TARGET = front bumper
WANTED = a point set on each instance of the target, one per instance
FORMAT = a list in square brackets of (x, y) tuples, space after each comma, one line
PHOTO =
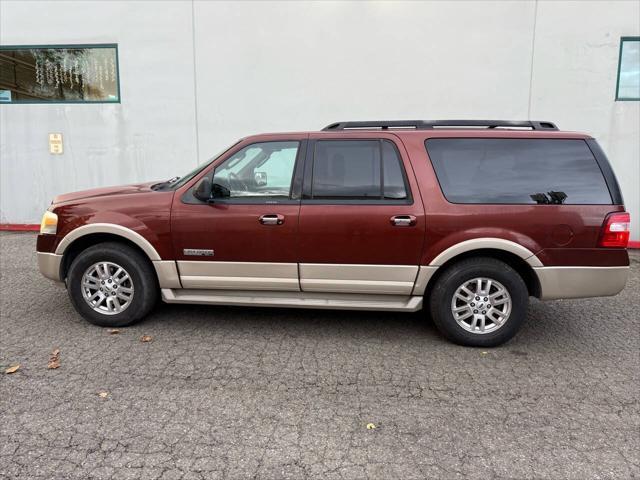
[(580, 282), (49, 265)]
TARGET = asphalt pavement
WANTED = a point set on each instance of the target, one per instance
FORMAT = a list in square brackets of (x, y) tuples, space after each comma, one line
[(234, 393)]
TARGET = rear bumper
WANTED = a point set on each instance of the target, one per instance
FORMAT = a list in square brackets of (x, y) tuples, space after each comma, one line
[(49, 265), (580, 282)]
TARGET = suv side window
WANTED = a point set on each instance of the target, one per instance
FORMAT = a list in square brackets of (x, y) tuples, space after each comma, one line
[(517, 171), (259, 170), (357, 170)]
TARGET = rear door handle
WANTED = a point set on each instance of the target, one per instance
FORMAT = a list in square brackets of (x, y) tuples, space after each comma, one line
[(403, 220), (271, 219)]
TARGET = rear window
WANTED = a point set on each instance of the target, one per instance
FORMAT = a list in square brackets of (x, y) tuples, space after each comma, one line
[(517, 171)]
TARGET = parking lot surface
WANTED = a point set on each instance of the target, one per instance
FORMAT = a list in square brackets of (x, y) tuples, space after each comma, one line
[(270, 393)]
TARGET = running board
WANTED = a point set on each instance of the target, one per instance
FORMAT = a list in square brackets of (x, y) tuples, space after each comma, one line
[(338, 301)]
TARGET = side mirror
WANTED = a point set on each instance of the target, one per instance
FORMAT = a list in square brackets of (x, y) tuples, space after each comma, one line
[(203, 191), (220, 191)]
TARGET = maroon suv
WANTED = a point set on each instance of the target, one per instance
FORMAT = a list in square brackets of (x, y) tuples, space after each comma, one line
[(466, 219)]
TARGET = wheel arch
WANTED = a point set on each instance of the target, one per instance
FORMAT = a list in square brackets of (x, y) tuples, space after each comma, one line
[(520, 265), (88, 235)]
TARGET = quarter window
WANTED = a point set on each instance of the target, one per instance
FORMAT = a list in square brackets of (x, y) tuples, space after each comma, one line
[(517, 171), (357, 170), (64, 74), (259, 170)]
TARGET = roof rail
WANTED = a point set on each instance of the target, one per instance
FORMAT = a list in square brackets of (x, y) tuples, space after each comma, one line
[(430, 124)]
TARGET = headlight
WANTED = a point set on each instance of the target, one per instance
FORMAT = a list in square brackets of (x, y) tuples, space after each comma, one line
[(49, 223)]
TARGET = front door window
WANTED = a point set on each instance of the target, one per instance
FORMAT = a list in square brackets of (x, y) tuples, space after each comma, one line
[(259, 170)]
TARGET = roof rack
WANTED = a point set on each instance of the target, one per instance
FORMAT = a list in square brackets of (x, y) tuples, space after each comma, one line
[(430, 124)]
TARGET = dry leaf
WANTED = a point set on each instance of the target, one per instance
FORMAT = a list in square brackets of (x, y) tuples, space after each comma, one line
[(12, 368), (113, 331), (146, 338), (103, 394), (371, 426), (484, 353), (54, 359)]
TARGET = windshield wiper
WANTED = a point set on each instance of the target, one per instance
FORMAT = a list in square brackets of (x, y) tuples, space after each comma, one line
[(166, 183)]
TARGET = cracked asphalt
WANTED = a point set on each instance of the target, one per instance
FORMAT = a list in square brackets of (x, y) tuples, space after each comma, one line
[(271, 393)]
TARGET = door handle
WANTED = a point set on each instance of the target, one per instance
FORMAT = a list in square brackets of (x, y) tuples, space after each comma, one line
[(271, 219), (403, 220)]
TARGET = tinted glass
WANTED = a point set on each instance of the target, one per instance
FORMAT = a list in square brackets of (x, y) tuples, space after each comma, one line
[(348, 169), (59, 74), (488, 170), (259, 170), (394, 185)]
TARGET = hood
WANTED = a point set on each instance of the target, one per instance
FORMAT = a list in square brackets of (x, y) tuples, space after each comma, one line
[(104, 191)]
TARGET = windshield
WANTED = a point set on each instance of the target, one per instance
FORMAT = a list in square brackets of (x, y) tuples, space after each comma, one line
[(180, 181)]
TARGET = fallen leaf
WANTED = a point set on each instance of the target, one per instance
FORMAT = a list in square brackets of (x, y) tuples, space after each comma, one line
[(371, 426), (484, 353), (12, 368), (146, 338), (113, 331), (54, 359), (103, 394)]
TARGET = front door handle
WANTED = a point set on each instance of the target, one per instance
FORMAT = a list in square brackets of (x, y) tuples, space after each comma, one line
[(271, 219), (403, 220)]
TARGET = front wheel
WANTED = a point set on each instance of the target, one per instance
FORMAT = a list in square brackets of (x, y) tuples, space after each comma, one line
[(112, 285), (479, 302)]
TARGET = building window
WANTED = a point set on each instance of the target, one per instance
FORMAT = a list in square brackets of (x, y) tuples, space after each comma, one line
[(59, 74), (628, 86)]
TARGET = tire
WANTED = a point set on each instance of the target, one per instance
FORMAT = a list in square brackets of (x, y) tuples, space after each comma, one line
[(466, 273), (141, 283)]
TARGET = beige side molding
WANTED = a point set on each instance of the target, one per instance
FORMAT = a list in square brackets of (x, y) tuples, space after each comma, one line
[(239, 275), (119, 230), (167, 273), (358, 278), (487, 242), (424, 275)]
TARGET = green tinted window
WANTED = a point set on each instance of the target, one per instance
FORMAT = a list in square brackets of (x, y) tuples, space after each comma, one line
[(628, 86)]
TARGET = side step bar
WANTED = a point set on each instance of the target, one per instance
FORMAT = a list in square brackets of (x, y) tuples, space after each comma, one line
[(341, 301)]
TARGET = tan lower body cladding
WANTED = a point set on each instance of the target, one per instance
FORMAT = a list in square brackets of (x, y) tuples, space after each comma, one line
[(331, 278)]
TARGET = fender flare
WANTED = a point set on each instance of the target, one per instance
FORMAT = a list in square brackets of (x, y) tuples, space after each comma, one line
[(113, 229), (487, 243)]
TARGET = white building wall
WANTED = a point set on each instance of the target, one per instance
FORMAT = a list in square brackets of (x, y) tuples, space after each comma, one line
[(196, 76)]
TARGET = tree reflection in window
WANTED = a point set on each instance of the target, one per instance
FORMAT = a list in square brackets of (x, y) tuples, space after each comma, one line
[(550, 198), (59, 74)]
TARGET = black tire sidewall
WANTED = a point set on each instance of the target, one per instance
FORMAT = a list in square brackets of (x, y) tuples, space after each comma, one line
[(454, 276), (145, 288)]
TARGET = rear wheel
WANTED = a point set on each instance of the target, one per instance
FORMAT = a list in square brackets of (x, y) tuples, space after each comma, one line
[(112, 285), (480, 302)]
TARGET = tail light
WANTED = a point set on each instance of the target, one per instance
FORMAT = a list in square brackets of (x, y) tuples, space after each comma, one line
[(615, 231)]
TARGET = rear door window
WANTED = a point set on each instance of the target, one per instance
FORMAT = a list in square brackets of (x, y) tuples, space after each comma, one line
[(517, 171), (357, 170)]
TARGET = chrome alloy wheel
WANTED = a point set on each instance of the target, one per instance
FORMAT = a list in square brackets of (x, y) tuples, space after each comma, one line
[(481, 305), (107, 288)]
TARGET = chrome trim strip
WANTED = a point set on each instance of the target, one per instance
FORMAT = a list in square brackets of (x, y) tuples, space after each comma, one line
[(49, 265), (239, 275), (396, 303), (424, 275), (167, 273), (580, 282), (487, 242), (357, 278), (114, 229)]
